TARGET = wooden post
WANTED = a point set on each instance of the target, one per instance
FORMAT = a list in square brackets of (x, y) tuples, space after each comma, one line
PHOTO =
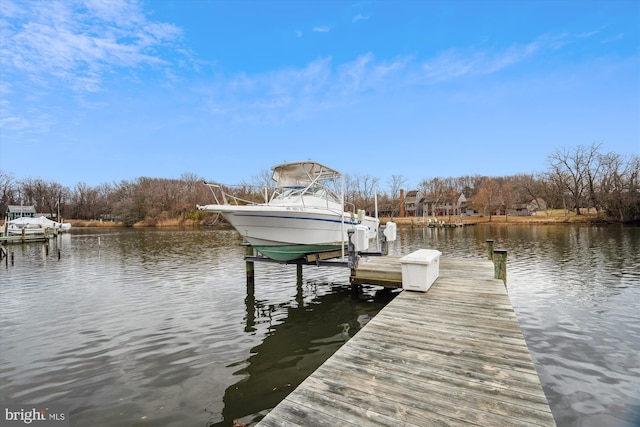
[(250, 305), (58, 254), (353, 258), (298, 273), (351, 249), (384, 247), (490, 249), (250, 264), (11, 257), (500, 265)]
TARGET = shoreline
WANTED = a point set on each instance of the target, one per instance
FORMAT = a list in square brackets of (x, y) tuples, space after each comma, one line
[(553, 219), (501, 220)]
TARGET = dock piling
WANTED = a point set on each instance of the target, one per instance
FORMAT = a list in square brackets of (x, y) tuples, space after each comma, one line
[(248, 250), (299, 273), (490, 249), (500, 265)]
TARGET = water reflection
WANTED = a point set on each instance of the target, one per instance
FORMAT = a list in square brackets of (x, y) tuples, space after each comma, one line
[(300, 336)]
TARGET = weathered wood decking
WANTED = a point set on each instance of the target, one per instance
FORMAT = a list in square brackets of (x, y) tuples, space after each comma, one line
[(452, 356)]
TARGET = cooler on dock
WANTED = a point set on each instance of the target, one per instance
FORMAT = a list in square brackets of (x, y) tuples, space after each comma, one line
[(420, 269)]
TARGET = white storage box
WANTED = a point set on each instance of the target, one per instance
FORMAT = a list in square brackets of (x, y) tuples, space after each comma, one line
[(420, 269)]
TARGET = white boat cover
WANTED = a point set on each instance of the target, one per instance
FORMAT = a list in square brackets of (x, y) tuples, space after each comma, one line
[(40, 221)]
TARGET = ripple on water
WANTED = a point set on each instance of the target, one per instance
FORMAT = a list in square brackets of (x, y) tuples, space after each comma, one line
[(157, 325)]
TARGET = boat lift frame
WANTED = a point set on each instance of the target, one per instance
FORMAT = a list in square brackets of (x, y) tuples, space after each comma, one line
[(325, 259)]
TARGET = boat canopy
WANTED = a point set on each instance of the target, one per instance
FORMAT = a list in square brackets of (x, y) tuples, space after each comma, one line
[(296, 174)]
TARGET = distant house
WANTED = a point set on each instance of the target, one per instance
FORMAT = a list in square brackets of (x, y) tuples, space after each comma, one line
[(434, 206), (385, 209), (412, 206), (537, 205), (17, 211), (519, 209)]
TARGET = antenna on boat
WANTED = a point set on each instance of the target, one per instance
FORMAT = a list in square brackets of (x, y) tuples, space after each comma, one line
[(342, 214)]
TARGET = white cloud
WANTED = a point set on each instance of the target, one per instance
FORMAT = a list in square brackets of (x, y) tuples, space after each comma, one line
[(456, 63), (359, 17), (321, 29), (295, 93), (78, 42)]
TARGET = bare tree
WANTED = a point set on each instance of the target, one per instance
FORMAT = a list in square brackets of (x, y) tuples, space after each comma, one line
[(570, 169), (8, 190), (395, 183), (508, 196), (530, 188), (264, 183), (619, 186), (487, 197), (366, 188)]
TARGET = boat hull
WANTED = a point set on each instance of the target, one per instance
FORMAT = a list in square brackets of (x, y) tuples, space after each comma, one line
[(285, 233)]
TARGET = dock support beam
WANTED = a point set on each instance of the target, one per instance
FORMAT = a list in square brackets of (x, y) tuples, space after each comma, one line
[(500, 265)]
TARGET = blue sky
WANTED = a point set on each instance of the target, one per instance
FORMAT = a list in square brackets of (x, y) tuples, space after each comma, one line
[(101, 91)]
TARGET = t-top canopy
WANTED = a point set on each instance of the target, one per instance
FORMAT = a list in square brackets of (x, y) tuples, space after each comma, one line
[(303, 173)]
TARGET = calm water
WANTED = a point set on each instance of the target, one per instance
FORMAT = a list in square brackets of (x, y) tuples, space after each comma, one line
[(158, 327)]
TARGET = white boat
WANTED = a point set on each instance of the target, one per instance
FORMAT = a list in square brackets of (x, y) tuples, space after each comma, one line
[(304, 215), (33, 226)]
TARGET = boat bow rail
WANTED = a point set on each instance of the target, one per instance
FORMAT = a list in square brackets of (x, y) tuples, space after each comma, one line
[(223, 197)]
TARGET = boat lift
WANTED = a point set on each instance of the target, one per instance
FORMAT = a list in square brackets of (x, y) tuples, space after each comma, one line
[(326, 259)]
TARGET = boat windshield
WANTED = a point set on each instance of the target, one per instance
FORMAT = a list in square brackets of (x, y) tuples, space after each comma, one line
[(286, 193)]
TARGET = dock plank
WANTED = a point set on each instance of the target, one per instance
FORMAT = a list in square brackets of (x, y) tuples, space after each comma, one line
[(454, 355)]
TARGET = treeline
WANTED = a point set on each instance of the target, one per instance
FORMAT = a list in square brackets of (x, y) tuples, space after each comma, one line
[(575, 179)]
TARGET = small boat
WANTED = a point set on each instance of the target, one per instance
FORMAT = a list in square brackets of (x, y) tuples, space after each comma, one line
[(303, 216), (34, 226)]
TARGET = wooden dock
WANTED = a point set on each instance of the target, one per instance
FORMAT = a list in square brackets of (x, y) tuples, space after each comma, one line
[(43, 235), (29, 238), (383, 271), (452, 356)]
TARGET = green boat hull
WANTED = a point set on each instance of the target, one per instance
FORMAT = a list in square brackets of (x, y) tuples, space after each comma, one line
[(293, 252)]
